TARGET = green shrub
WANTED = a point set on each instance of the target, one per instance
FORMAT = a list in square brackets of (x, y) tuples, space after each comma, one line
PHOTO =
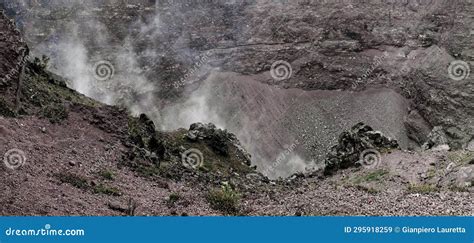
[(172, 199), (225, 200)]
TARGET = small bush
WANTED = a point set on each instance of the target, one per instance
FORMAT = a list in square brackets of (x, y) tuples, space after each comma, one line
[(131, 207), (172, 199), (225, 200)]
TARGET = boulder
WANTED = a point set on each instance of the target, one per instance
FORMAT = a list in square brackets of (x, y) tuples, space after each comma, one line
[(219, 140), (352, 143)]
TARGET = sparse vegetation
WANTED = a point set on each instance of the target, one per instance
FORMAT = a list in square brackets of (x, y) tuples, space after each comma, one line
[(456, 188), (431, 173), (131, 207), (73, 180), (55, 113), (128, 209), (173, 198), (146, 170), (82, 183), (5, 109), (367, 189), (422, 188), (225, 200), (107, 174), (104, 189), (461, 157), (376, 175)]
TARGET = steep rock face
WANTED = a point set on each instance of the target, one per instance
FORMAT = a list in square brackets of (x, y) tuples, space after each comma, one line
[(408, 47)]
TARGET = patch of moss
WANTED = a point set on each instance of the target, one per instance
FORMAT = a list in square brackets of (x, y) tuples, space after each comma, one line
[(422, 188), (104, 189), (148, 171), (461, 157), (107, 174), (82, 183), (41, 88), (5, 109), (431, 173), (456, 188), (372, 176), (55, 113), (225, 200), (212, 161)]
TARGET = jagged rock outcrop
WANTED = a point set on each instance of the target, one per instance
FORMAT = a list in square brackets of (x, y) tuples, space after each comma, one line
[(146, 140), (352, 144), (219, 140)]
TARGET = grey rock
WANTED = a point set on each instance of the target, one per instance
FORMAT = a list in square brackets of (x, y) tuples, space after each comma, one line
[(352, 143)]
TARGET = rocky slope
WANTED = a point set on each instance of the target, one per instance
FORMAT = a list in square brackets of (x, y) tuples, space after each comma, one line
[(357, 52), (66, 154)]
